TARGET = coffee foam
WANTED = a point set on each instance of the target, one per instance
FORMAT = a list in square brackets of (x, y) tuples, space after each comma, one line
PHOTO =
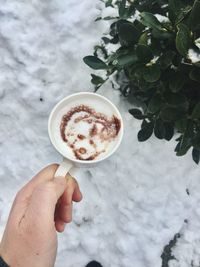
[(79, 134)]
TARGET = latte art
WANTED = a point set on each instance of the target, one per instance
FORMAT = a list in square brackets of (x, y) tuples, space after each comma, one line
[(88, 133)]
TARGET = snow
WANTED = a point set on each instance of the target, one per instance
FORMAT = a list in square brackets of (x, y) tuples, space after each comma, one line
[(161, 18), (193, 56), (134, 202)]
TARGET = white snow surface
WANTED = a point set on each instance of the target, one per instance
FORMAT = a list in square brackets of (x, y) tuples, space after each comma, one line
[(136, 201)]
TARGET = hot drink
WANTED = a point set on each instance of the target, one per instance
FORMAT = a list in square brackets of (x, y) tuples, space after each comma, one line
[(88, 134)]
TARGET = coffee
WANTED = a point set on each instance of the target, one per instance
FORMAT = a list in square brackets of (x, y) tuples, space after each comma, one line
[(87, 133)]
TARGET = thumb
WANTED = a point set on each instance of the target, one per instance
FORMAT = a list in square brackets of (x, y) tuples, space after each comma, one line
[(45, 197)]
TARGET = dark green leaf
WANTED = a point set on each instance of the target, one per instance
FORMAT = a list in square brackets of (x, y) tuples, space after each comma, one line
[(176, 99), (196, 112), (113, 29), (166, 59), (196, 142), (106, 40), (109, 18), (122, 8), (96, 80), (136, 113), (186, 140), (146, 132), (149, 20), (144, 53), (99, 18), (177, 82), (151, 73), (155, 103), (128, 34), (171, 114), (144, 124), (169, 131), (195, 74), (194, 19), (174, 9), (95, 63), (159, 129), (125, 60), (183, 39), (177, 146), (108, 3), (163, 35), (196, 155), (184, 12), (181, 125)]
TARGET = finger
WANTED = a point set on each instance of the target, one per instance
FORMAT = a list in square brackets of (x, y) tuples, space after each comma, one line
[(65, 212), (77, 195), (72, 187), (44, 175), (45, 197), (60, 226)]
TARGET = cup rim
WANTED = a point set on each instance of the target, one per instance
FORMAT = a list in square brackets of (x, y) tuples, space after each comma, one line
[(105, 100)]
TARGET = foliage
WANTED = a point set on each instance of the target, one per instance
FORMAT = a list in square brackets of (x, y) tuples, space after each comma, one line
[(153, 67)]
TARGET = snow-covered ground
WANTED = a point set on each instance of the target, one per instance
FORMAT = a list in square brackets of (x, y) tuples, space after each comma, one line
[(136, 201)]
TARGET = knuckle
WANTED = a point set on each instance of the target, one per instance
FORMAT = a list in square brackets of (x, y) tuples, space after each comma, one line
[(53, 166)]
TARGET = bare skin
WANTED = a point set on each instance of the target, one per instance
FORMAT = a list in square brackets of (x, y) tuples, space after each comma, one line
[(42, 207)]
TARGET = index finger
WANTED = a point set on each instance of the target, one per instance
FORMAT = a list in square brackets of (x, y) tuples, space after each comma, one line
[(46, 174)]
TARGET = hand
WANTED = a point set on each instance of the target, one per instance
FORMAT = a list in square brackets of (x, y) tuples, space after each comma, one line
[(41, 207)]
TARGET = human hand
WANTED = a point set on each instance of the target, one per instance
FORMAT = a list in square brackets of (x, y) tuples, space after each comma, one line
[(41, 207)]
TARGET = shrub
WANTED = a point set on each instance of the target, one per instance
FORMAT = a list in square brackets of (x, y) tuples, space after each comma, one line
[(156, 64)]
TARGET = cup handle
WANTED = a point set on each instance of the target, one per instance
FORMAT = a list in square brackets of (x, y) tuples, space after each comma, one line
[(63, 168)]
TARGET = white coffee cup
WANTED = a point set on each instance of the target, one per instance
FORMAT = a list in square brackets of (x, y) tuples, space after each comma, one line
[(65, 104)]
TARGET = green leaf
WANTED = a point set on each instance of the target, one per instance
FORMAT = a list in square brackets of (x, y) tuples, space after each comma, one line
[(195, 74), (149, 20), (183, 14), (163, 35), (169, 131), (181, 125), (174, 9), (98, 18), (126, 60), (196, 142), (137, 114), (194, 19), (196, 112), (108, 3), (155, 103), (144, 53), (151, 73), (109, 18), (146, 132), (183, 39), (196, 155), (165, 59), (176, 99), (94, 63), (143, 40), (122, 8), (171, 114), (96, 80), (106, 40), (128, 33), (159, 129), (177, 82), (186, 140)]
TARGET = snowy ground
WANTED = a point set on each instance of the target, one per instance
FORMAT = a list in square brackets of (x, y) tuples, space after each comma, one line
[(135, 202)]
